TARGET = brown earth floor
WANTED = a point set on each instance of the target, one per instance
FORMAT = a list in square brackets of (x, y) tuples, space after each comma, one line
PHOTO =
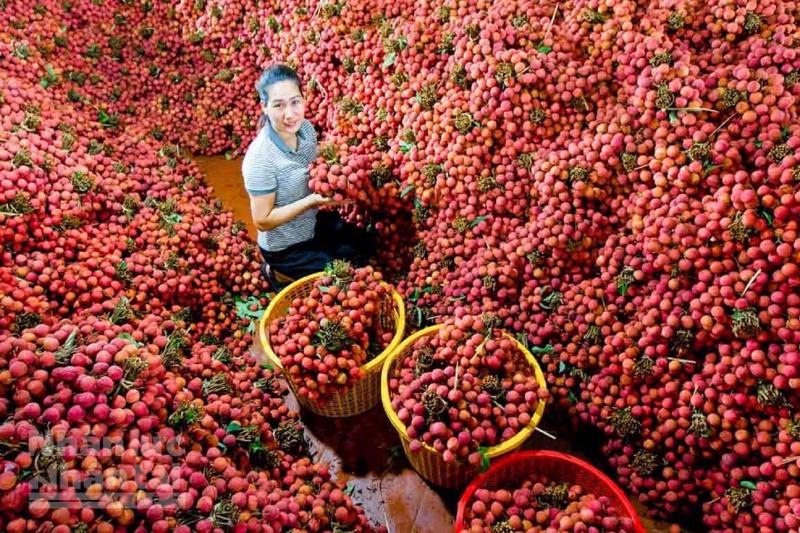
[(364, 451)]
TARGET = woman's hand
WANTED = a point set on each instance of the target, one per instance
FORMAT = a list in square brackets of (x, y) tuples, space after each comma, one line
[(267, 217), (317, 200)]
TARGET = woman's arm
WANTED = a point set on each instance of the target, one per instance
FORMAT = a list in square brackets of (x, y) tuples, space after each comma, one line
[(266, 216), (261, 183)]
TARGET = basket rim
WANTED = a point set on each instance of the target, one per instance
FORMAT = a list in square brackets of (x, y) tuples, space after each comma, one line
[(547, 455), (491, 452), (267, 317)]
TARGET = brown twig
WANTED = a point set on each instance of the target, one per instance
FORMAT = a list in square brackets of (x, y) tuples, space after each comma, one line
[(750, 282), (550, 26), (686, 361)]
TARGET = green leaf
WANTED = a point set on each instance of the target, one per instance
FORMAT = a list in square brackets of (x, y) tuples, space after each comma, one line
[(128, 337), (764, 212), (544, 49), (572, 398), (389, 60), (673, 116), (251, 328), (476, 221), (406, 147), (759, 143), (349, 489), (267, 365), (50, 79), (106, 119), (396, 452), (485, 462), (522, 339), (173, 219), (562, 367), (222, 447), (243, 308), (539, 350), (233, 427), (407, 189), (748, 484)]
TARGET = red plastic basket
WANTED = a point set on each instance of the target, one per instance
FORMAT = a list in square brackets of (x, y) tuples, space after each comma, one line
[(512, 468)]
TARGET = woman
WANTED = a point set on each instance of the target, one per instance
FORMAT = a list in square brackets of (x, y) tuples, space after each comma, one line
[(295, 237)]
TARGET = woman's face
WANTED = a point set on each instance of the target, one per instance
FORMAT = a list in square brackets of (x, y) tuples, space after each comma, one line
[(286, 108)]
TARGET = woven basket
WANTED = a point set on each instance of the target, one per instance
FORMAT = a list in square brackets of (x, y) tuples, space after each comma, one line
[(428, 462), (512, 470), (365, 393)]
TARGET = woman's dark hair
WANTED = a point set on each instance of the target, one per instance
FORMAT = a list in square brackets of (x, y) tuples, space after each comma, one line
[(274, 74)]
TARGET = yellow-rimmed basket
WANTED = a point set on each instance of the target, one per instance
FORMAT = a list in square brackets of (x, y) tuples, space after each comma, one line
[(366, 392), (428, 462)]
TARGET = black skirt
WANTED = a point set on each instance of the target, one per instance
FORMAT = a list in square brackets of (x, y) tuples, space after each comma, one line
[(333, 239)]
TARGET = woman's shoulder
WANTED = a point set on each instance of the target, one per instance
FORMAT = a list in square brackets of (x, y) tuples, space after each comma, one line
[(258, 147), (308, 129), (258, 154)]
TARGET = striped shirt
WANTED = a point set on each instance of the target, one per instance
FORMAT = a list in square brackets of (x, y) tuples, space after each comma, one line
[(270, 166)]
